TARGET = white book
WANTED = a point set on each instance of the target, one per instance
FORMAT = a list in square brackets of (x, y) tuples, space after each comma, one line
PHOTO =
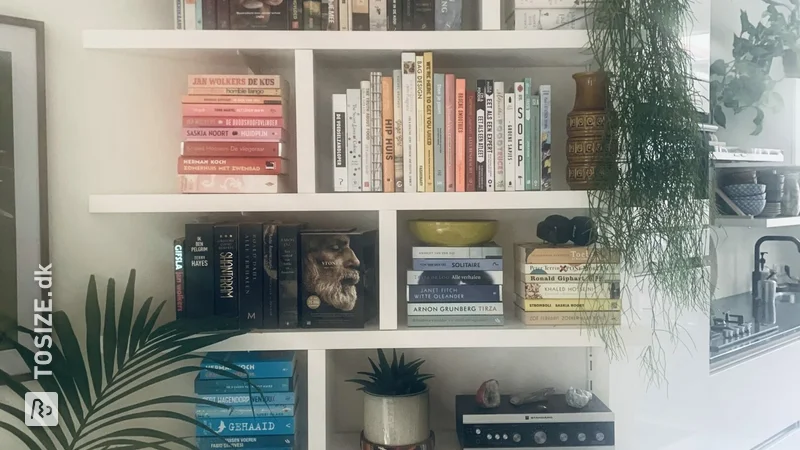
[(522, 4), (409, 62), (519, 136), (510, 122), (545, 130), (377, 15), (397, 104), (340, 142), (550, 19), (488, 140), (366, 136), (190, 14), (344, 15), (455, 309), (354, 137), (376, 80), (499, 139), (420, 91), (178, 15)]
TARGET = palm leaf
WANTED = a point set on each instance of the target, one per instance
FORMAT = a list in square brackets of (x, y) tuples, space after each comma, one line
[(151, 322), (125, 320), (38, 432), (70, 346), (110, 331), (93, 337), (138, 326), (138, 433), (30, 444), (130, 444)]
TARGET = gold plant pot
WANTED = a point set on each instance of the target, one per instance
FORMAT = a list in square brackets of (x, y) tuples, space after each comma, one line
[(584, 149), (586, 123)]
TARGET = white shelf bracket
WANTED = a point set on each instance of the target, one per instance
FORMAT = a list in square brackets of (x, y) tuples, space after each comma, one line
[(387, 246), (305, 131)]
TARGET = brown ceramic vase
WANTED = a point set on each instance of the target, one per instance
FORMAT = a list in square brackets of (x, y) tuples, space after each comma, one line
[(585, 128)]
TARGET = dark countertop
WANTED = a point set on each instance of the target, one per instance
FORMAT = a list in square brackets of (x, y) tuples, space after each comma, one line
[(788, 322)]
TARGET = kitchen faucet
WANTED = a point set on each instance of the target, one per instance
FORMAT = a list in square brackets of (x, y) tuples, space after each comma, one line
[(757, 274)]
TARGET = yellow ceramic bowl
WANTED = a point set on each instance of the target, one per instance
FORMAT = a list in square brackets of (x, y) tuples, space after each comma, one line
[(453, 233)]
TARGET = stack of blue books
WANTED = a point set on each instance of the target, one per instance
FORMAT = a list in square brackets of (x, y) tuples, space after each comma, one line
[(252, 420)]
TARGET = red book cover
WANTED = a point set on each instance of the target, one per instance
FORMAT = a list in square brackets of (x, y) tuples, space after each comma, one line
[(461, 125), (232, 122), (450, 132), (232, 100), (235, 166), (235, 134), (234, 149), (470, 141), (222, 110)]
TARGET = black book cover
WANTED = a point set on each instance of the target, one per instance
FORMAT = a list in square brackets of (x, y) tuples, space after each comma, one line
[(210, 14), (312, 15), (296, 14), (424, 15), (480, 136), (223, 14), (360, 15), (394, 15), (199, 270), (407, 10), (226, 271), (288, 275), (180, 297), (251, 276), (339, 287), (271, 289), (250, 15)]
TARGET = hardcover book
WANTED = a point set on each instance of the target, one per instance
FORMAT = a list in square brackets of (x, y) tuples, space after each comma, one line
[(264, 364), (235, 166), (251, 275), (278, 442), (344, 15), (569, 278), (470, 143), (458, 264), (461, 130), (476, 252), (312, 15), (245, 91), (530, 176), (424, 15), (551, 4), (238, 111), (210, 412), (366, 136), (199, 270), (376, 117), (602, 304), (454, 294), (522, 165), (295, 14), (249, 15), (489, 134), (288, 275), (180, 300), (339, 143), (178, 15), (233, 184), (545, 95), (450, 132), (421, 131), (377, 15), (531, 253), (359, 15), (273, 398), (499, 136), (448, 15), (190, 15), (456, 321), (271, 279), (339, 278), (399, 154), (354, 144), (454, 277), (230, 122), (480, 137), (410, 95), (226, 271), (394, 11), (388, 129), (586, 290), (233, 100), (209, 14), (595, 318), (510, 160), (429, 158), (568, 269), (455, 309), (224, 14), (235, 386), (235, 134), (236, 81), (438, 133), (241, 426), (408, 14), (536, 133)]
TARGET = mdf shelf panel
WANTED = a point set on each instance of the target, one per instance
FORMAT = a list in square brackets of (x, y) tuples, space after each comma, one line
[(757, 222), (181, 203)]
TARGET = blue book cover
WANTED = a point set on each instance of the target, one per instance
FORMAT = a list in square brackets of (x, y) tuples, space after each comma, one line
[(244, 426), (210, 412), (235, 386), (458, 264), (247, 443), (256, 364), (454, 293), (281, 398)]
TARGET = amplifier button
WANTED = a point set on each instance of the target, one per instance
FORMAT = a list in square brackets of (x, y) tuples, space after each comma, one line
[(477, 431), (489, 436), (540, 437), (581, 437), (516, 437), (505, 437), (563, 437), (599, 436), (497, 437)]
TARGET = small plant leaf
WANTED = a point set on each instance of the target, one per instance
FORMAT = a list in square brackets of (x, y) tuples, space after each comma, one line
[(93, 355), (383, 362), (138, 326), (125, 319), (110, 330), (718, 68)]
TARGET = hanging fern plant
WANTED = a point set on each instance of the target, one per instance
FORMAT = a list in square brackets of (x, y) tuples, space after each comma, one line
[(654, 169)]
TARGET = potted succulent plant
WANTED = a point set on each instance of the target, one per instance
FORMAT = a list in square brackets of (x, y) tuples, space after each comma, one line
[(395, 401)]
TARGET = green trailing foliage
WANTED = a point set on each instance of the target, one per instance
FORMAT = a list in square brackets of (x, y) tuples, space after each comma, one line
[(100, 384), (395, 378), (648, 199)]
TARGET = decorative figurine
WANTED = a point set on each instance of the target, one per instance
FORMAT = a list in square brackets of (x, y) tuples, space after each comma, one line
[(578, 398), (488, 395)]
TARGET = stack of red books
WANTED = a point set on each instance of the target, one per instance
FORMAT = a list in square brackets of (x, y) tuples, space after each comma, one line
[(234, 135)]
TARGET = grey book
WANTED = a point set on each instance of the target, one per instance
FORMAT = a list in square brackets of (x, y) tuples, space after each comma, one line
[(456, 321), (438, 132), (448, 15)]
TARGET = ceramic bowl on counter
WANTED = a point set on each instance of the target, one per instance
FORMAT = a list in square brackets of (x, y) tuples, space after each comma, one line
[(753, 191), (750, 206)]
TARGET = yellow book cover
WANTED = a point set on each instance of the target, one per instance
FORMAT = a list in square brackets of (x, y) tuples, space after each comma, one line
[(387, 100), (597, 318), (568, 304), (420, 88), (531, 253), (428, 61)]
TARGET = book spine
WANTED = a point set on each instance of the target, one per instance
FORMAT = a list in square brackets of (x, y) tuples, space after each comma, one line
[(234, 386), (424, 15), (454, 294), (248, 426), (251, 276), (178, 15), (420, 90), (296, 14), (199, 14), (190, 15), (438, 133), (460, 139), (455, 309), (231, 122), (456, 252), (249, 166), (561, 269), (456, 321), (285, 442), (312, 14), (232, 184), (199, 270), (457, 264), (510, 135), (333, 15), (536, 154), (429, 153), (279, 398), (409, 62), (366, 136), (408, 15), (470, 142), (568, 318), (226, 271), (499, 136), (450, 132), (448, 15), (570, 278), (530, 305), (588, 290), (210, 412), (339, 143), (376, 83), (520, 166), (480, 135), (399, 154), (529, 178), (233, 111), (550, 4), (236, 81), (288, 276), (387, 116), (271, 281), (476, 278), (209, 14), (545, 129), (235, 134), (223, 14), (377, 15), (180, 297), (344, 15), (359, 17), (489, 135), (232, 100), (257, 92), (354, 143), (394, 21)]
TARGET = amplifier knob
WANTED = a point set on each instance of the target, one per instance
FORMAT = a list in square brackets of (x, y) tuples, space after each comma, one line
[(505, 437), (477, 431), (497, 437), (516, 437), (489, 436), (581, 437), (540, 437), (563, 437), (599, 436)]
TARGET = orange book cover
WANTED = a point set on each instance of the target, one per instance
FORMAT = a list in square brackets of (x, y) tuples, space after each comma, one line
[(449, 132), (387, 107), (234, 100), (460, 150)]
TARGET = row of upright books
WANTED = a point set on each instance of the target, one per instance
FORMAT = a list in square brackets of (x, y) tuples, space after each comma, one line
[(420, 131), (321, 15), (268, 275), (547, 14), (235, 137), (246, 419)]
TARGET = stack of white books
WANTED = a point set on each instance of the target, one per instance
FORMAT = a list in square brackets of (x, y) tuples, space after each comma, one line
[(547, 14)]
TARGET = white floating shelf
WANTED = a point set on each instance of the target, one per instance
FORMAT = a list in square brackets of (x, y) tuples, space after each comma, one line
[(445, 440), (180, 203), (757, 222)]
